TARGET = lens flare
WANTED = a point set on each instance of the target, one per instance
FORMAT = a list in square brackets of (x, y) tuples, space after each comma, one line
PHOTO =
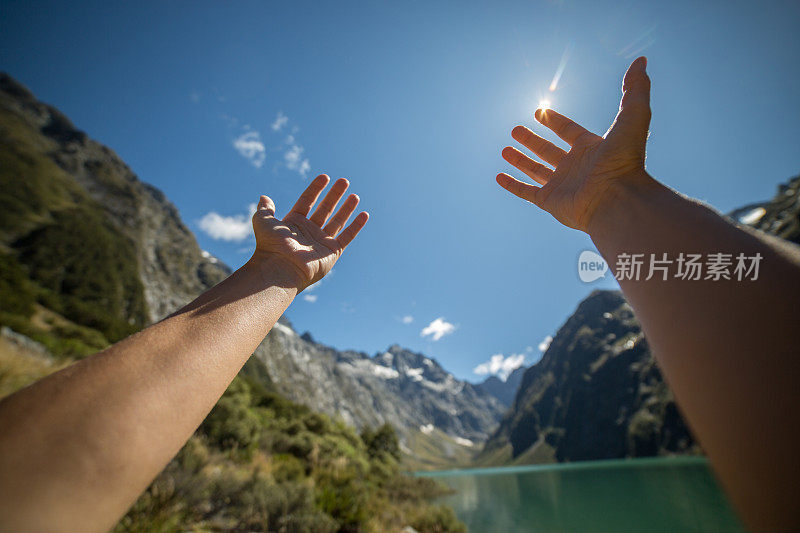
[(544, 105), (561, 66)]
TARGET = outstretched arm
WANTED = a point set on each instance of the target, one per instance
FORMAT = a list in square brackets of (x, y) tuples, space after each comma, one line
[(728, 348), (78, 447)]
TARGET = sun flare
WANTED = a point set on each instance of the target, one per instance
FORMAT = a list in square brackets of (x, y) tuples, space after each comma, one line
[(544, 105)]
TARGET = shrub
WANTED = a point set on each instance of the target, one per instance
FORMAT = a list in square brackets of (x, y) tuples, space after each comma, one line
[(437, 519), (17, 293), (382, 442), (232, 424), (89, 269)]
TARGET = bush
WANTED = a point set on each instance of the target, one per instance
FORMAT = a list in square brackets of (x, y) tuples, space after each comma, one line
[(342, 493), (232, 424), (437, 519), (382, 442), (89, 270), (17, 293)]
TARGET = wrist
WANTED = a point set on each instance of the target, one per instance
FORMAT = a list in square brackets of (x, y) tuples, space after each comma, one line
[(616, 204), (276, 270)]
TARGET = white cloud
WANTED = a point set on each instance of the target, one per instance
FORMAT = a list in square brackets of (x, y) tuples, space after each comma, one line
[(310, 298), (408, 319), (249, 146), (545, 344), (500, 366), (438, 329), (293, 157), (235, 228), (279, 122)]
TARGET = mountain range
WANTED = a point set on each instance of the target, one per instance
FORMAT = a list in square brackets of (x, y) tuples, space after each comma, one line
[(430, 408)]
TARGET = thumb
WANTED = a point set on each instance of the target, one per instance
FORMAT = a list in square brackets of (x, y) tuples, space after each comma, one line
[(634, 108), (265, 203), (636, 80)]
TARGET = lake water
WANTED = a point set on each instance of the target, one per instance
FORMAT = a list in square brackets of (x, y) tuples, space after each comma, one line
[(653, 495)]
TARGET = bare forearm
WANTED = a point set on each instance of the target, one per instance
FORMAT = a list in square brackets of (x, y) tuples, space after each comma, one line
[(78, 447), (724, 346)]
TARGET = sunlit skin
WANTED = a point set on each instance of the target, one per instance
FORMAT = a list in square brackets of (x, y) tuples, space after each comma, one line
[(78, 447), (308, 245), (727, 348)]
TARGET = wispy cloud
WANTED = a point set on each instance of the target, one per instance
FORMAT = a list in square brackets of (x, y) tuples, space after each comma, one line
[(227, 228), (194, 97), (645, 40), (438, 329), (279, 122), (279, 137), (408, 319), (500, 365), (293, 157), (310, 298), (250, 146)]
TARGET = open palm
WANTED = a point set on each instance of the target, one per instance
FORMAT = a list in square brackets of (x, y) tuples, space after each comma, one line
[(582, 177), (308, 245)]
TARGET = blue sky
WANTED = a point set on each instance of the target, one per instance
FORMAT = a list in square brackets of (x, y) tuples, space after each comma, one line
[(413, 102)]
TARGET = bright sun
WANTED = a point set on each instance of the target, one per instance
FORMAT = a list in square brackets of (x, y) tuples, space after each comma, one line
[(544, 105)]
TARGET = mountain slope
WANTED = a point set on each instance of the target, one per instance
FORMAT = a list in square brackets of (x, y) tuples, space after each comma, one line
[(504, 391), (596, 394), (62, 191)]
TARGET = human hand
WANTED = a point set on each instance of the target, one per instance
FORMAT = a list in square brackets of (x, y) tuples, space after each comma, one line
[(300, 242), (583, 179)]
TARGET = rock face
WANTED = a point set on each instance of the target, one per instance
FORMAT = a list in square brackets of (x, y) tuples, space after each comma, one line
[(779, 216), (504, 391), (597, 392), (406, 389), (60, 169), (69, 204)]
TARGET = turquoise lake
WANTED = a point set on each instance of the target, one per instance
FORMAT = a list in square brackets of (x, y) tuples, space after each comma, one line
[(650, 495)]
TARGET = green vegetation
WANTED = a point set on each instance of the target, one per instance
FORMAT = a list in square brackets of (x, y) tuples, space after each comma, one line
[(21, 310), (89, 270), (59, 250)]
